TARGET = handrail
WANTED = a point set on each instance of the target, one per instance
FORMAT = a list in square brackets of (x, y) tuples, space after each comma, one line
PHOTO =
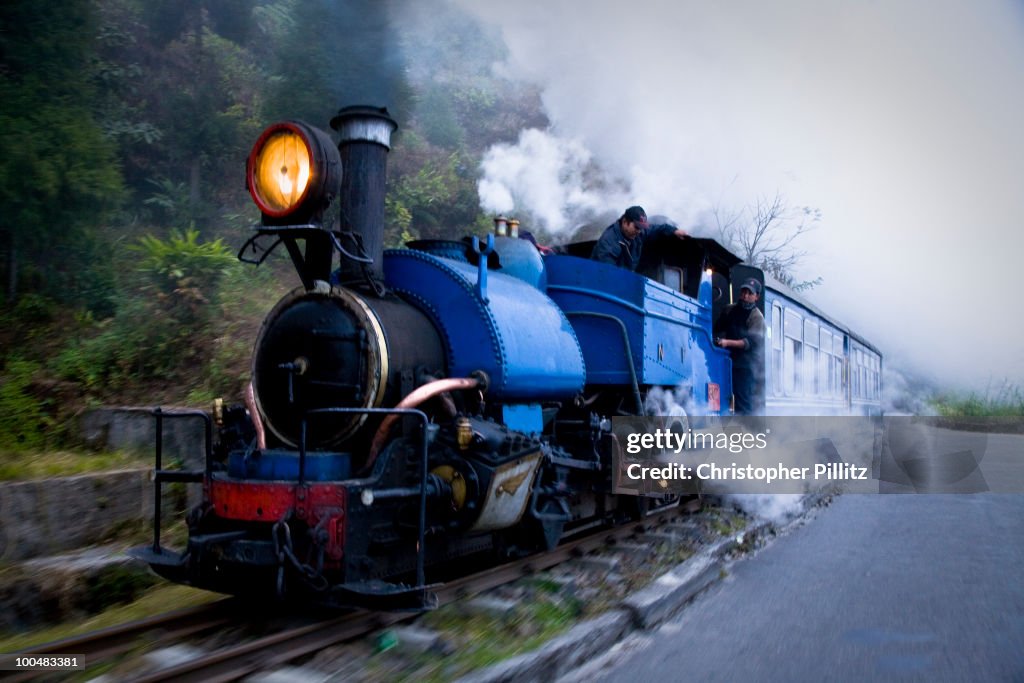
[(629, 352), (411, 412)]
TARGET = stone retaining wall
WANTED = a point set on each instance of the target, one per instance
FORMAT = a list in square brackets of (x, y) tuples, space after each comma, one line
[(124, 429), (49, 516)]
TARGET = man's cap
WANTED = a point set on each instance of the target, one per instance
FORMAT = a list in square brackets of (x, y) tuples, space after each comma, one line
[(636, 214), (753, 285)]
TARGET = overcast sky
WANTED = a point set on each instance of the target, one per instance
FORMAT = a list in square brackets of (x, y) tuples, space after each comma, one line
[(901, 121)]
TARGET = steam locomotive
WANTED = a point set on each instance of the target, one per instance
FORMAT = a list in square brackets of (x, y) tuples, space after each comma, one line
[(410, 408)]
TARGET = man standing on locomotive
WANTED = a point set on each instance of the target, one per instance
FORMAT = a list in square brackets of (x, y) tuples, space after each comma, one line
[(622, 241), (740, 329)]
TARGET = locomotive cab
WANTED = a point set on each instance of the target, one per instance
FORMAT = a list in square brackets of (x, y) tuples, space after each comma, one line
[(680, 265)]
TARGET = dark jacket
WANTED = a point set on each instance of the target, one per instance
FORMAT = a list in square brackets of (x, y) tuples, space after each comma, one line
[(614, 248), (748, 362)]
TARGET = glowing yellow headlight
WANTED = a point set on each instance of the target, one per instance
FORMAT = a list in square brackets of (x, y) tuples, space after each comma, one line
[(280, 170), (293, 173)]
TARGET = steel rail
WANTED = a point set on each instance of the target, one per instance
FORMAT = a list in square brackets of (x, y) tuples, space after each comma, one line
[(104, 644), (236, 662)]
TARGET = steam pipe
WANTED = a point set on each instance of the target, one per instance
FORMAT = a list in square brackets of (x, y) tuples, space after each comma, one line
[(254, 415), (629, 352), (414, 399)]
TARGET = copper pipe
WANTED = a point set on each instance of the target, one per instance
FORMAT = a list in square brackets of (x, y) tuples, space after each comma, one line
[(254, 415), (414, 399)]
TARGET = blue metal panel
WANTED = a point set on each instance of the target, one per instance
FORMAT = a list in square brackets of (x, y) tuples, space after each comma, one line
[(516, 334), (669, 333), (523, 417), (519, 258), (450, 249), (584, 286), (276, 465)]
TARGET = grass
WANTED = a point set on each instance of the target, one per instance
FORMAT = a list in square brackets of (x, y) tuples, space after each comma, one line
[(24, 465), (157, 600), (480, 640), (726, 522), (1007, 401)]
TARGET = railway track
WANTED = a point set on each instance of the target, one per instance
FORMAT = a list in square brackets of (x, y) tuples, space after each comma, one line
[(111, 642), (236, 662), (277, 649)]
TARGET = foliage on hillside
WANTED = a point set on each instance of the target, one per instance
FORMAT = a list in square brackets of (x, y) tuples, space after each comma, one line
[(1007, 401), (123, 133)]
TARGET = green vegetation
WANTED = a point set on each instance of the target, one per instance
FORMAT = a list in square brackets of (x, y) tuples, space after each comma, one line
[(480, 641), (152, 602), (22, 417), (19, 466), (123, 138), (1008, 401), (726, 522), (115, 585)]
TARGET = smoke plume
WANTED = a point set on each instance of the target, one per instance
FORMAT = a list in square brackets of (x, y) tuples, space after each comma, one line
[(898, 120)]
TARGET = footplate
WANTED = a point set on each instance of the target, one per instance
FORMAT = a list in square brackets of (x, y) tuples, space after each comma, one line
[(167, 563), (380, 595)]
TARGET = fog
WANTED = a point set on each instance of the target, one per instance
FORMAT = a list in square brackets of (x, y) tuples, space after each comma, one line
[(900, 121)]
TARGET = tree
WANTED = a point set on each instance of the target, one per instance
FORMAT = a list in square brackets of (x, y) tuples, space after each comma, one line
[(182, 100), (333, 54), (764, 235), (59, 174), (431, 192)]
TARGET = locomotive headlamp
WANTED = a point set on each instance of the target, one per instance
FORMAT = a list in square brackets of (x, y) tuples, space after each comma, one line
[(281, 172), (293, 173)]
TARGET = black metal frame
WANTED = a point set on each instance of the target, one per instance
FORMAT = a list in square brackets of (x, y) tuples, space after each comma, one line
[(424, 421), (289, 234), (160, 475)]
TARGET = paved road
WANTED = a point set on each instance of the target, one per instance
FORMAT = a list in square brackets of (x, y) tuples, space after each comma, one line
[(891, 587)]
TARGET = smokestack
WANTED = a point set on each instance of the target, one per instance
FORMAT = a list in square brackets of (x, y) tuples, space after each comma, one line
[(365, 142), (500, 226)]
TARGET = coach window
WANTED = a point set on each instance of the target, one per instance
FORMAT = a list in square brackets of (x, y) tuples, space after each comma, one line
[(870, 367), (858, 371), (837, 351), (825, 363), (793, 353), (776, 350), (811, 357), (867, 375), (861, 374), (855, 373), (865, 390)]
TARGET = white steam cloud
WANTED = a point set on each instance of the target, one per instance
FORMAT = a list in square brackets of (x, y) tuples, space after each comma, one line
[(777, 508), (543, 174), (899, 120)]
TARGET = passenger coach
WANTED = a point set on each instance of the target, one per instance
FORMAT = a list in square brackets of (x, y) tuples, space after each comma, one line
[(814, 364)]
